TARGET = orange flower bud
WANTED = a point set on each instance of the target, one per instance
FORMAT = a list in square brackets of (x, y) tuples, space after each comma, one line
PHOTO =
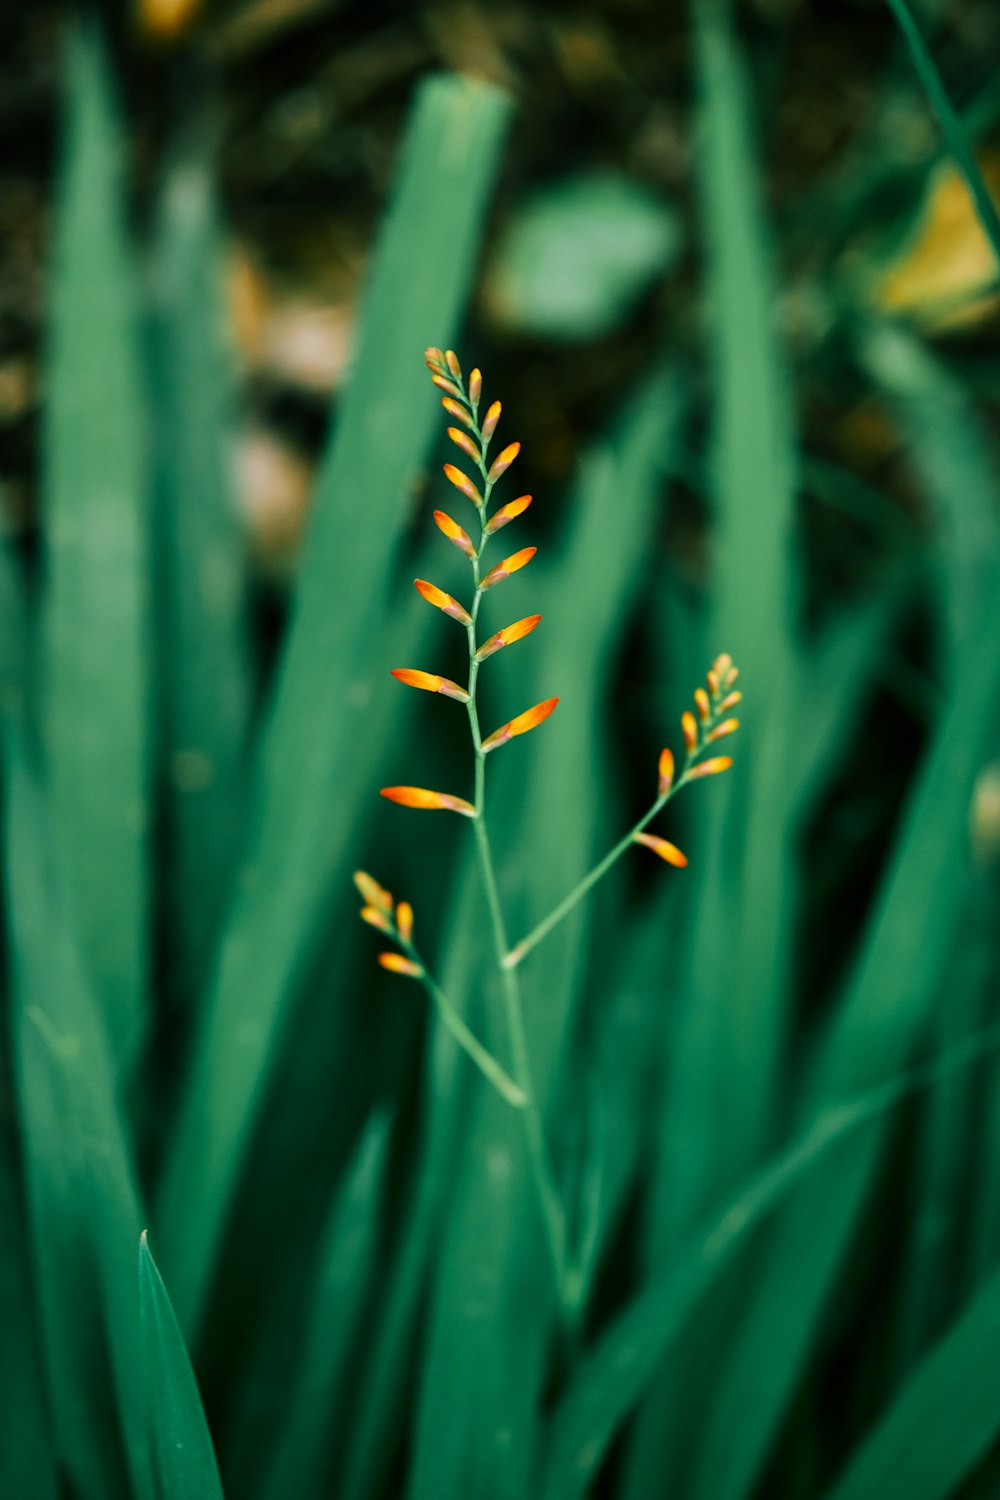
[(721, 665), (702, 704), (430, 682), (435, 359), (507, 513), (711, 767), (404, 920), (372, 893), (502, 462), (451, 360), (444, 384), (454, 532), (375, 918), (455, 410), (442, 601), (397, 964), (690, 731), (666, 770), (730, 701), (475, 386), (713, 684), (420, 798), (508, 636), (721, 730), (507, 567), (528, 720), (464, 483), (463, 441), (490, 421), (665, 850)]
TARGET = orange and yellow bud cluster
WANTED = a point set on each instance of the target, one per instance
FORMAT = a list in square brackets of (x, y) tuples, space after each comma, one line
[(472, 437), (700, 730), (395, 921)]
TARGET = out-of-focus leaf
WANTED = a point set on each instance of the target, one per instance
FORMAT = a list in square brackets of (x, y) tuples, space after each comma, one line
[(183, 1458), (942, 1421), (95, 662), (202, 569), (83, 1208), (574, 260), (301, 814)]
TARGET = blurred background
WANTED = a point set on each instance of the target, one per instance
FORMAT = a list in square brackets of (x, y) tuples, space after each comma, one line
[(723, 269)]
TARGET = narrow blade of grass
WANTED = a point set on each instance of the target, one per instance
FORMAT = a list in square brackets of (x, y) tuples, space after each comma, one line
[(202, 568), (943, 1420), (415, 296), (94, 619), (952, 128), (730, 1000), (184, 1466), (314, 1415), (83, 1209)]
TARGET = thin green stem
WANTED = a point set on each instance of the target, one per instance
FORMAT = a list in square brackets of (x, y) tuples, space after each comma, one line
[(470, 1044)]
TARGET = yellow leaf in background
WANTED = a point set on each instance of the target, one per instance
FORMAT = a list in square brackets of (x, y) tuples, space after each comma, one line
[(166, 18), (942, 276)]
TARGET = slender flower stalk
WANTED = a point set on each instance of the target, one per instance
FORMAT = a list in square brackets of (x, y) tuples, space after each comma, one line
[(700, 730)]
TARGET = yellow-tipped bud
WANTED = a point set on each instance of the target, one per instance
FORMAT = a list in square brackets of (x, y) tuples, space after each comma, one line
[(434, 358), (702, 704), (397, 964), (442, 601), (475, 386), (711, 767), (507, 513), (502, 462), (528, 720), (464, 483), (430, 682), (451, 360), (463, 441), (721, 730), (508, 636), (663, 848), (454, 533), (448, 386), (730, 701), (376, 918), (371, 892), (425, 801), (721, 665), (690, 731), (666, 770), (713, 683), (490, 421), (507, 567), (404, 920), (454, 409)]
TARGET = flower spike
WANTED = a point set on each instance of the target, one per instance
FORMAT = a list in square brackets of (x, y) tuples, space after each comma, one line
[(463, 483), (397, 964), (508, 636), (442, 601), (425, 801), (507, 567), (454, 533), (528, 720), (502, 462), (430, 682), (665, 850), (507, 513)]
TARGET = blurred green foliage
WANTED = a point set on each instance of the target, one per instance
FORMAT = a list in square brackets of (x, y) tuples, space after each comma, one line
[(770, 1082)]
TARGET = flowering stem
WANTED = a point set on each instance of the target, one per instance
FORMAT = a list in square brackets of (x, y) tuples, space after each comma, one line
[(552, 1210), (470, 1044)]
